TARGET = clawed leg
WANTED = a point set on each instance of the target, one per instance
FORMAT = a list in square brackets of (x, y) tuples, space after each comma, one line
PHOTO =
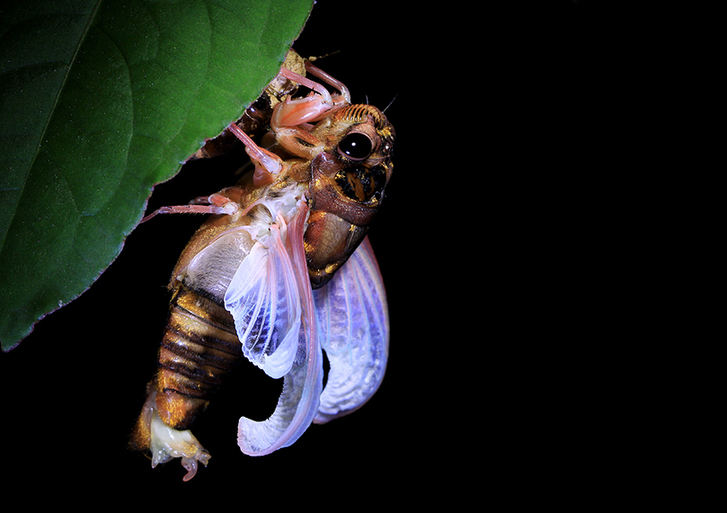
[(314, 106), (344, 96), (291, 118), (266, 163), (223, 202)]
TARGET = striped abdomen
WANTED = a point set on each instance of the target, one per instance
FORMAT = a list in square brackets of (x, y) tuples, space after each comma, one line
[(199, 346)]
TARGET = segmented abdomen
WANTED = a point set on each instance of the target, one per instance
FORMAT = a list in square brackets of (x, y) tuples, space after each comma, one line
[(199, 346)]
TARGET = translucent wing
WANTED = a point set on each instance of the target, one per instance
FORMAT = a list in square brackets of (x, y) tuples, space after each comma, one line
[(299, 399), (264, 300), (353, 329)]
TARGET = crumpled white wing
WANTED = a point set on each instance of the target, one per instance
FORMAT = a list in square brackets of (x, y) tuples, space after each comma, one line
[(298, 402), (294, 412), (264, 300), (353, 329)]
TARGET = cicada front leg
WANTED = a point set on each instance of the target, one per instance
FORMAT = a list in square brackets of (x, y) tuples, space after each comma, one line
[(290, 121), (318, 104), (267, 164)]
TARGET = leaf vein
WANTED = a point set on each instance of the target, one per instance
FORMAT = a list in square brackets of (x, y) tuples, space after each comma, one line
[(127, 64), (81, 39)]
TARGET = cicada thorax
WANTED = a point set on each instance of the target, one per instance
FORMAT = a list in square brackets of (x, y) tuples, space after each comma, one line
[(347, 186)]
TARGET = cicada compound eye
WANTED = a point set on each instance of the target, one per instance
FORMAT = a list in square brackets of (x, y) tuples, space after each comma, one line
[(356, 146)]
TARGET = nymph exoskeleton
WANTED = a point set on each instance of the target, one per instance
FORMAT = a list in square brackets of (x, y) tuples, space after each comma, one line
[(281, 271)]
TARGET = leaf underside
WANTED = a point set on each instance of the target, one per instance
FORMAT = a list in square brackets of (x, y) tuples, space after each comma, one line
[(100, 101)]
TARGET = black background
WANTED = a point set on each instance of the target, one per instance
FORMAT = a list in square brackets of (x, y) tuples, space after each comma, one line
[(494, 110)]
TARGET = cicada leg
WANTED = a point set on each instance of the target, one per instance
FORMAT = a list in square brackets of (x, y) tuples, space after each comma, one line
[(290, 119), (222, 198), (267, 164), (297, 112), (302, 110), (224, 202), (344, 97)]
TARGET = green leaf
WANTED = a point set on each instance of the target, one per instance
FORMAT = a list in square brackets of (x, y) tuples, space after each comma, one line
[(99, 101)]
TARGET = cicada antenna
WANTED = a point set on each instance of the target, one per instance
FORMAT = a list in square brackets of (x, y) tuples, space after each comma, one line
[(392, 101), (316, 57)]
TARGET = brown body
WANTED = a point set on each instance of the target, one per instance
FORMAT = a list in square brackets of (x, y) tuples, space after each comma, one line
[(345, 195), (199, 345), (343, 192)]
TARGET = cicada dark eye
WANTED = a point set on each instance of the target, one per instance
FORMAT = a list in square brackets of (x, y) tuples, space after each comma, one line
[(356, 146)]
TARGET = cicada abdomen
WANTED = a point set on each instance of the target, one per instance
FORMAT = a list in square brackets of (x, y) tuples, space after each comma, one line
[(198, 347), (244, 283)]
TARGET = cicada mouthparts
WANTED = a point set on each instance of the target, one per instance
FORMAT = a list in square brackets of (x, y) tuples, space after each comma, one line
[(244, 285)]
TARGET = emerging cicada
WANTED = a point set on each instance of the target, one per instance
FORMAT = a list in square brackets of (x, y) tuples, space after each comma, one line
[(282, 271)]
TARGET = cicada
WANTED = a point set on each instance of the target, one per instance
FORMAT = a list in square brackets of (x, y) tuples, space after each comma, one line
[(281, 271)]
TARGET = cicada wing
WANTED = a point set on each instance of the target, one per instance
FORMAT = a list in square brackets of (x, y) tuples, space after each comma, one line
[(353, 329), (298, 402), (264, 300)]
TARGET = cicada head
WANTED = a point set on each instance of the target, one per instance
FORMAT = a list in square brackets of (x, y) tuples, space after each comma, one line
[(347, 185)]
